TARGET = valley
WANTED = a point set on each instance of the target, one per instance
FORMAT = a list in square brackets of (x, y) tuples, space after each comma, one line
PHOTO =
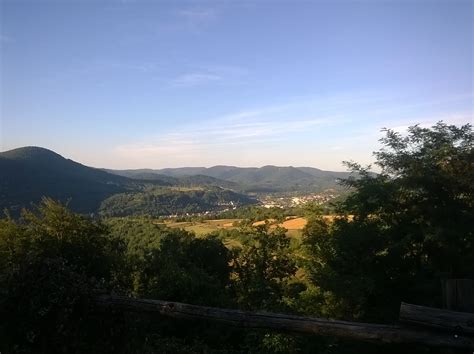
[(306, 246), (230, 177)]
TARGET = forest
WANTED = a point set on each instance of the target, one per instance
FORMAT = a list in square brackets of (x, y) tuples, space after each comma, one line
[(404, 226)]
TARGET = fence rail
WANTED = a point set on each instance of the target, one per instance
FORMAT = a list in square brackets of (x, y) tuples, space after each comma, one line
[(367, 332)]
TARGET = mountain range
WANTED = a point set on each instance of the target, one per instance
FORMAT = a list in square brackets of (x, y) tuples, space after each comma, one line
[(266, 179), (29, 173)]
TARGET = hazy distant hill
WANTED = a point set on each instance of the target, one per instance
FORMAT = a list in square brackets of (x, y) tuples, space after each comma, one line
[(202, 180), (182, 171), (253, 179), (183, 180), (144, 175), (316, 172), (27, 174)]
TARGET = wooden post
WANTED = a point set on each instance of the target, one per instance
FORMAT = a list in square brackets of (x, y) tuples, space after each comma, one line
[(445, 320), (458, 294)]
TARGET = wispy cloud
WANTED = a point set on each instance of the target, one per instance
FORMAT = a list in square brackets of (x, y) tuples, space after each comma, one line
[(199, 140), (231, 134), (195, 79), (203, 75), (332, 126)]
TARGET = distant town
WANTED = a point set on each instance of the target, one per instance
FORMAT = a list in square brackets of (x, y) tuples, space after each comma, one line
[(272, 201)]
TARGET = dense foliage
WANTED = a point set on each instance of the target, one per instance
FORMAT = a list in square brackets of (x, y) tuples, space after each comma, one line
[(264, 269), (413, 224), (159, 202), (49, 264)]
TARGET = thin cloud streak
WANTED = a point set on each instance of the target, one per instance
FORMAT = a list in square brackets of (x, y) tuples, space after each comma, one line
[(195, 79), (256, 128), (211, 137), (209, 74)]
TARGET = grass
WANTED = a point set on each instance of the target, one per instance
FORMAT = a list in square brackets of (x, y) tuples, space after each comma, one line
[(203, 227)]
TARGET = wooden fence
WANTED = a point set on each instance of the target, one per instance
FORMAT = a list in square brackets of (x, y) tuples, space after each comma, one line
[(419, 325)]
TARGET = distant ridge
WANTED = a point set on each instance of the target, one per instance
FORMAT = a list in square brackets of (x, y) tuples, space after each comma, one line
[(178, 180), (266, 179), (29, 173)]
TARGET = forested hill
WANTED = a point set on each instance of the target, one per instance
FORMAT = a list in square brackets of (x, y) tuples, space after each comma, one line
[(29, 173), (162, 202), (252, 179), (184, 180)]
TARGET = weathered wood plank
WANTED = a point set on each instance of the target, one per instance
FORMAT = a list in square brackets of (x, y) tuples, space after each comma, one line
[(459, 294), (375, 333), (453, 321)]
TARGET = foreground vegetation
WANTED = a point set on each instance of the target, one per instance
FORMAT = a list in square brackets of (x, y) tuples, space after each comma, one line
[(398, 234)]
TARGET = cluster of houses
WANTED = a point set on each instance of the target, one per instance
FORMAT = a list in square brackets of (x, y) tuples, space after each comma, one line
[(292, 201)]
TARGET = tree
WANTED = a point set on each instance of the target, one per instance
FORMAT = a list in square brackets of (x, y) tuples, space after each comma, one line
[(186, 269), (263, 269), (51, 262), (413, 223)]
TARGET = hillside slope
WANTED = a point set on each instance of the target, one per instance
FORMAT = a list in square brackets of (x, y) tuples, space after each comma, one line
[(30, 173), (164, 202), (27, 174)]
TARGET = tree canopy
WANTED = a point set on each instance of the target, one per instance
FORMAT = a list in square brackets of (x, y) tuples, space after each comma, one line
[(412, 224)]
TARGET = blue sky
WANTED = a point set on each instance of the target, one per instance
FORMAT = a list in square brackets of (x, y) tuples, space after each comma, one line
[(130, 84)]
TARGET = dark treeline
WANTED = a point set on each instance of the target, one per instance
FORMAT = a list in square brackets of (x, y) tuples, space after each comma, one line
[(398, 234)]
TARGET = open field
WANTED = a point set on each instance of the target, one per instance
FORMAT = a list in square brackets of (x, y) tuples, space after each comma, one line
[(293, 225), (203, 227)]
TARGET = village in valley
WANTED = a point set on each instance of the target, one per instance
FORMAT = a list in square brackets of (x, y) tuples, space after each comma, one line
[(285, 201)]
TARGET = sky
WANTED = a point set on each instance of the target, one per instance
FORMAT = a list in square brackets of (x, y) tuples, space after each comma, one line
[(140, 83)]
